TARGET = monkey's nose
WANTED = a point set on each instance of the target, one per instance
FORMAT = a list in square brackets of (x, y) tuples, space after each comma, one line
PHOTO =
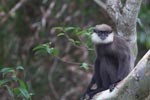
[(103, 37)]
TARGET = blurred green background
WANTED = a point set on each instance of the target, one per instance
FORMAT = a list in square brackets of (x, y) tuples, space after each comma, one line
[(28, 23)]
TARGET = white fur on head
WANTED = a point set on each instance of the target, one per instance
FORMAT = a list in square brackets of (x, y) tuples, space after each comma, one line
[(97, 40)]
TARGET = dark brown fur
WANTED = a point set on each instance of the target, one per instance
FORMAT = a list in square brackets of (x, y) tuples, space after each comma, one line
[(112, 65)]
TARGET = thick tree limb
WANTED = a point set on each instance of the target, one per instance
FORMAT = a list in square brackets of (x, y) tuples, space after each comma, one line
[(136, 86), (113, 9), (130, 11)]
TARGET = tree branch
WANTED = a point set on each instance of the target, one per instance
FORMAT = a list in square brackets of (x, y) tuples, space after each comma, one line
[(101, 4), (113, 9), (12, 11), (135, 86), (130, 10), (50, 75)]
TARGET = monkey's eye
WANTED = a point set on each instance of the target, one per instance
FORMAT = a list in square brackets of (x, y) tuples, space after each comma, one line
[(106, 32), (103, 32)]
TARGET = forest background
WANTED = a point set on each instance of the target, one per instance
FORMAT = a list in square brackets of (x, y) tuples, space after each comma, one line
[(45, 46)]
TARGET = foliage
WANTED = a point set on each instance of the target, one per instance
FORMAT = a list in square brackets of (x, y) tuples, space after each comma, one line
[(84, 66), (45, 48), (143, 22), (73, 35), (11, 77)]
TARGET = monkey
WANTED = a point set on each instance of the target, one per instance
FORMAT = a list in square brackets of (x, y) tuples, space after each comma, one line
[(112, 63)]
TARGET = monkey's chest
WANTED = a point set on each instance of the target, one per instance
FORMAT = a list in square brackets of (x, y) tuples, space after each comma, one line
[(109, 64)]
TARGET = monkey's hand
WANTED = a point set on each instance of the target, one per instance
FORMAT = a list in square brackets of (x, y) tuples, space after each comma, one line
[(87, 96), (111, 87), (84, 97)]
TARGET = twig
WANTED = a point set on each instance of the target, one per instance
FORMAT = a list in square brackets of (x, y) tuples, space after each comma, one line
[(47, 13), (68, 38), (52, 69), (69, 62), (59, 14), (101, 4), (71, 91), (12, 11)]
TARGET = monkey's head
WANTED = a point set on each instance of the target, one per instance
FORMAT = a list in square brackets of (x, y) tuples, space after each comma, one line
[(102, 34)]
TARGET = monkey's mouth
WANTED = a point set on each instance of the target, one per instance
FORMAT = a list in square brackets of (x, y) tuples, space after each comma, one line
[(102, 37)]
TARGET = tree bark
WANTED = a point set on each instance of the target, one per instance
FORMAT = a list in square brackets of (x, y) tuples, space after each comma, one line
[(136, 86)]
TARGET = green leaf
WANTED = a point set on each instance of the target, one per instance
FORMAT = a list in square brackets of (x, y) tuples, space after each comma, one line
[(72, 40), (4, 81), (16, 91), (46, 44), (14, 77), (10, 90), (81, 32), (58, 28), (49, 50), (19, 68), (24, 92), (44, 48), (84, 66), (7, 70), (55, 51), (40, 52), (69, 28), (90, 29), (38, 47), (22, 84), (147, 43), (76, 29), (77, 42), (61, 34)]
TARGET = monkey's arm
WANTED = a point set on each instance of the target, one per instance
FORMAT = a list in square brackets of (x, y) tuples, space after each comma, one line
[(89, 91), (93, 80), (123, 69), (124, 66)]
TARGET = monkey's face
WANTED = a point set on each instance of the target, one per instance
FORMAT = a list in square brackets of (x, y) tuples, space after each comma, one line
[(102, 36)]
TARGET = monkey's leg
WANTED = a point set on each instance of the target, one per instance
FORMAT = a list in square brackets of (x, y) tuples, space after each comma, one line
[(93, 81), (123, 70), (99, 87), (92, 93)]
